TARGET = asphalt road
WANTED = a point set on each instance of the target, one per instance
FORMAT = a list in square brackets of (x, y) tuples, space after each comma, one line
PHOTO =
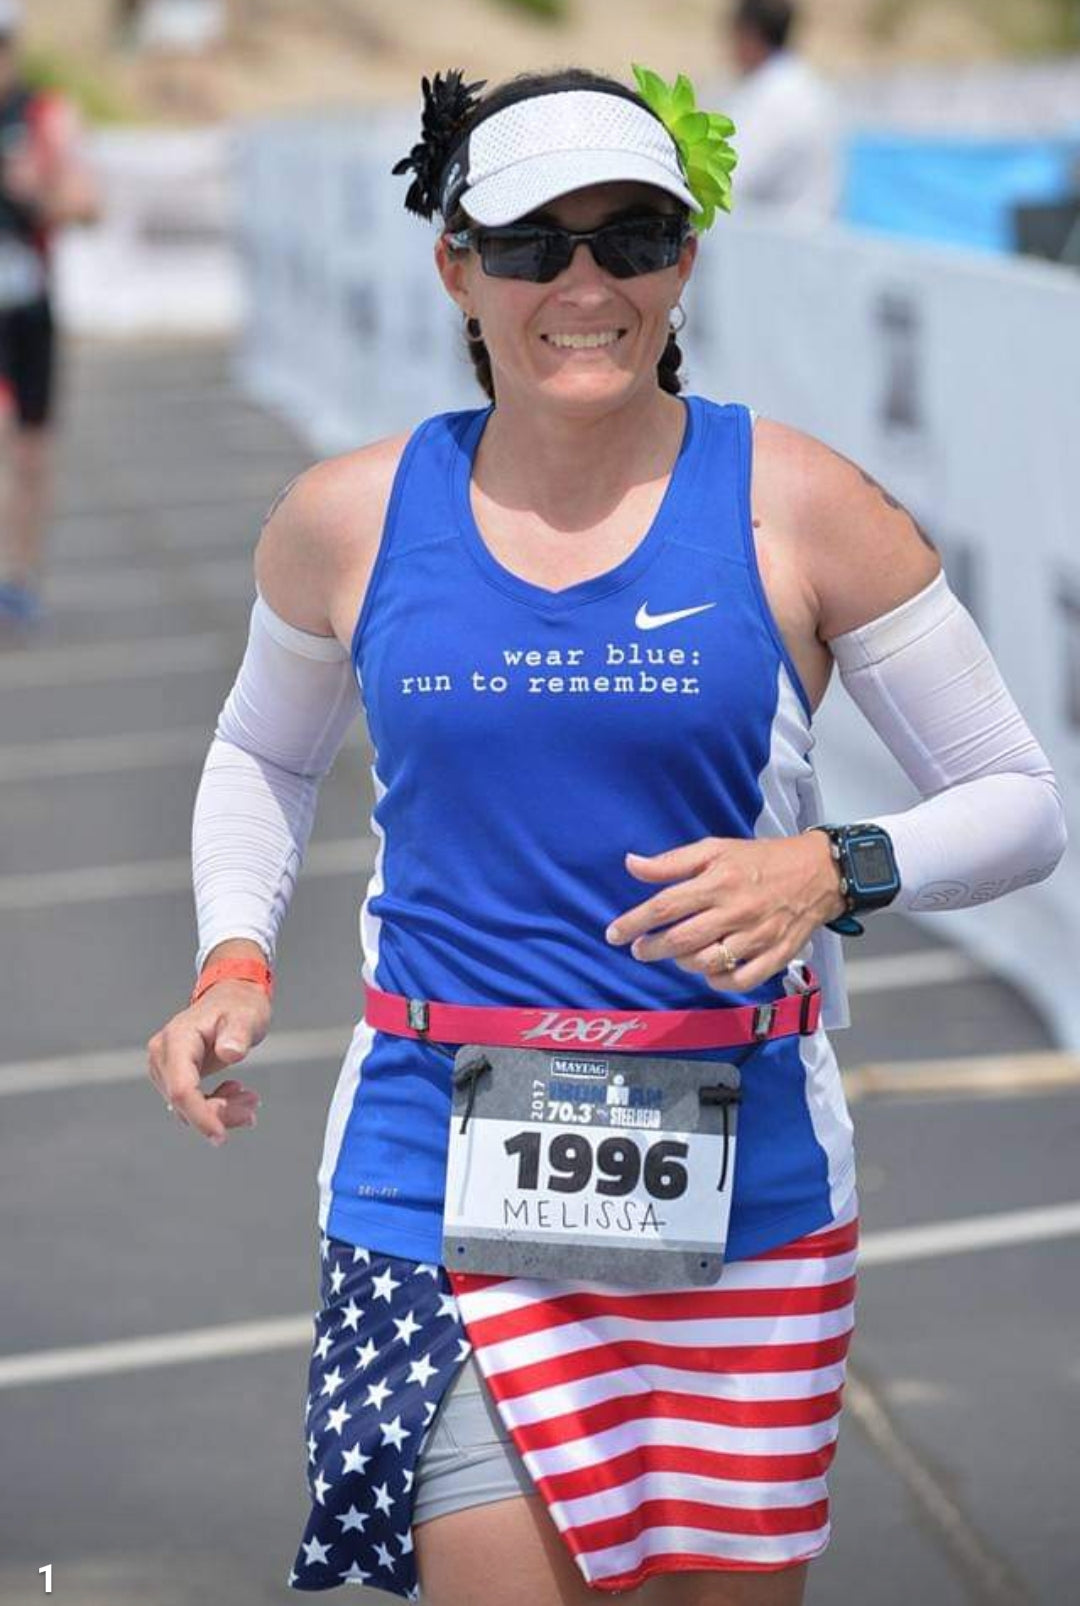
[(174, 1474)]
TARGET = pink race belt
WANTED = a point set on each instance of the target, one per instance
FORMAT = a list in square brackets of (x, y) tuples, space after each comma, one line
[(627, 1031)]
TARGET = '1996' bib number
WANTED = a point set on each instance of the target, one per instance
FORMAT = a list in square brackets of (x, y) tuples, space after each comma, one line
[(618, 1161), (615, 1169)]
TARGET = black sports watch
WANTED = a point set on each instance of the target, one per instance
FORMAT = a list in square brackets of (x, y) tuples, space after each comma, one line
[(868, 875)]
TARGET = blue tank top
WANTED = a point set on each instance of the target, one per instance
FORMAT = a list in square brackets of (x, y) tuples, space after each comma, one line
[(524, 740)]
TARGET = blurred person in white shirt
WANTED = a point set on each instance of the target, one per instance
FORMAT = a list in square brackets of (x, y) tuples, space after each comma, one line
[(785, 116)]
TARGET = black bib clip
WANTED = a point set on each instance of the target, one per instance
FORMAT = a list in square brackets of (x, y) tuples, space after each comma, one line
[(470, 1073)]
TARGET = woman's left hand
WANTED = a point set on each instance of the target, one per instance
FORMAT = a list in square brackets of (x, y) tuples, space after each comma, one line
[(757, 902)]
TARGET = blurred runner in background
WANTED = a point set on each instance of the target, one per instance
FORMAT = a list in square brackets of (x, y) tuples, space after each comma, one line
[(785, 114), (44, 184)]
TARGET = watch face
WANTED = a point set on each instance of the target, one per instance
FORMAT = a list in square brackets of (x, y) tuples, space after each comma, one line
[(872, 862)]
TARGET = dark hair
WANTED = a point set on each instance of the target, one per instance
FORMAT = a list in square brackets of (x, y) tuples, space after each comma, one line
[(525, 87), (771, 20)]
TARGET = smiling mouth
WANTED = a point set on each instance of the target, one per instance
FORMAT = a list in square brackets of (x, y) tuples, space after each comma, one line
[(584, 342)]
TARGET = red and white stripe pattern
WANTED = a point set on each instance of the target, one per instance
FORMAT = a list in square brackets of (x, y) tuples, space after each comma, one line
[(677, 1431)]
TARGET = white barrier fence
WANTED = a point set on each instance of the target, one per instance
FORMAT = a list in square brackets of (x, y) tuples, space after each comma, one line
[(162, 258), (951, 378)]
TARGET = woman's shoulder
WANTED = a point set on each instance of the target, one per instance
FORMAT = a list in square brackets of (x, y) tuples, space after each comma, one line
[(856, 546), (342, 496), (319, 542), (770, 434), (323, 530), (334, 482)]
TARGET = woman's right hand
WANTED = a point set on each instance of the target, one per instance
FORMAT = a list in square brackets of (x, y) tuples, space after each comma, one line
[(207, 1037)]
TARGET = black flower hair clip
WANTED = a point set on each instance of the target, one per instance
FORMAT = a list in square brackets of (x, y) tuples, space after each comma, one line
[(447, 103)]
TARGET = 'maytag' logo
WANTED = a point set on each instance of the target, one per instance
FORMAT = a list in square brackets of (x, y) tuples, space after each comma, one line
[(562, 1065), (560, 1028)]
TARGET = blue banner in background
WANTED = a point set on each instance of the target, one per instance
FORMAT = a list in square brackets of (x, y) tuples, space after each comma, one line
[(954, 191)]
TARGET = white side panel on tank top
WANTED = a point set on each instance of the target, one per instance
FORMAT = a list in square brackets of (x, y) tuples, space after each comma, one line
[(791, 800), (826, 952), (363, 1038)]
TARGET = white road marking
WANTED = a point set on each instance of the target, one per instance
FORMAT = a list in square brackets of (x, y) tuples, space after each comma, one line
[(98, 662), (989, 1574), (1020, 1077), (170, 1349), (108, 883), (922, 968), (918, 1391), (981, 1076), (66, 1071), (160, 497), (103, 755), (113, 587), (178, 533), (292, 1332), (70, 756), (56, 888), (970, 1232)]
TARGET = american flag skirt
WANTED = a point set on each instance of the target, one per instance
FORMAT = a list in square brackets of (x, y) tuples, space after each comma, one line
[(682, 1431)]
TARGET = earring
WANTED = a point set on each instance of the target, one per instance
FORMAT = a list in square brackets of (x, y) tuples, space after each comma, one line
[(472, 331), (677, 328)]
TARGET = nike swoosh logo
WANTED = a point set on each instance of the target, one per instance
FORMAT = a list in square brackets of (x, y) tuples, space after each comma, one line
[(644, 620)]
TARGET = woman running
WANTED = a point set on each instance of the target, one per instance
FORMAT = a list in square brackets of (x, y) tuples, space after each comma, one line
[(588, 1334)]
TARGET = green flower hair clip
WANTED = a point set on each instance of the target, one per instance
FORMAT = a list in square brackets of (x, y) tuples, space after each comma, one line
[(701, 138)]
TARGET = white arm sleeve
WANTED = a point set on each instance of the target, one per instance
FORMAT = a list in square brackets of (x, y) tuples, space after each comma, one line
[(277, 736), (991, 819)]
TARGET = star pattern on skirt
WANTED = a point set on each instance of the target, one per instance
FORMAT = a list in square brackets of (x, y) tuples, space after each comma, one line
[(388, 1343)]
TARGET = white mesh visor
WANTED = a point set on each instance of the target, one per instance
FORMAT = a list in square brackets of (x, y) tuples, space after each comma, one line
[(538, 149)]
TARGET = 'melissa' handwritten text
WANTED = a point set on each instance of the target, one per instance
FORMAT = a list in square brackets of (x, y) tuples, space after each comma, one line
[(581, 1215)]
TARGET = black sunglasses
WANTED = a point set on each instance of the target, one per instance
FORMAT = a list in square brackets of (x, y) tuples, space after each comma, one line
[(539, 252)]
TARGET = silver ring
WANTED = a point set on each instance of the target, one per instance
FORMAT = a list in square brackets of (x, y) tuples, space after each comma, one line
[(727, 960)]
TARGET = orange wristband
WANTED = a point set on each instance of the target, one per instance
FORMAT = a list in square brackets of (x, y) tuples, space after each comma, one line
[(254, 970)]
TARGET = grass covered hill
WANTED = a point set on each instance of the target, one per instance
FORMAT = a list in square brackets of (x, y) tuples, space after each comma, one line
[(290, 55)]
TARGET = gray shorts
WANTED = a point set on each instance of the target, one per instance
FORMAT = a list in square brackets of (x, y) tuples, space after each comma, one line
[(467, 1458)]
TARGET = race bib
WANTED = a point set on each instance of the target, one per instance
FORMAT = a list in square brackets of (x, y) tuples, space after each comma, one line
[(607, 1168)]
